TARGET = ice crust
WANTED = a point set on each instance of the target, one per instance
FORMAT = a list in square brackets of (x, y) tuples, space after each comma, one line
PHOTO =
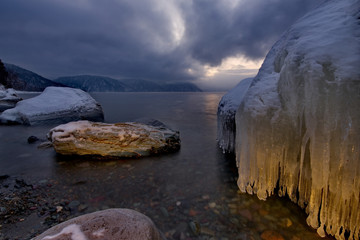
[(298, 125), (228, 105), (8, 98), (54, 105)]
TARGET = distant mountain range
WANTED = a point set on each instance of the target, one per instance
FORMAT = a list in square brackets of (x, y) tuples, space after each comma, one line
[(25, 80)]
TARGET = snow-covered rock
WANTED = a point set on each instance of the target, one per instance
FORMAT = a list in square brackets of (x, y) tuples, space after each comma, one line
[(113, 140), (227, 108), (298, 126), (54, 105), (8, 98), (110, 224)]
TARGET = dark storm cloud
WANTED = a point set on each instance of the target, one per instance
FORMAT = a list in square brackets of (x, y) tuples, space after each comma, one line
[(127, 38), (250, 28)]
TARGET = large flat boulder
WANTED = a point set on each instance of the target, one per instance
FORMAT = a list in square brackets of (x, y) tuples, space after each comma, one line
[(110, 224), (8, 98), (54, 105), (113, 140)]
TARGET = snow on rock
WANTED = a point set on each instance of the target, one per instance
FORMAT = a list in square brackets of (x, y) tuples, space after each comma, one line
[(228, 106), (113, 140), (298, 125), (110, 224), (54, 105), (8, 98)]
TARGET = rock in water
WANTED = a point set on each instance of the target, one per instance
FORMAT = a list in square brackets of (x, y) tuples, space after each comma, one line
[(8, 98), (298, 125), (110, 224), (54, 105), (113, 140)]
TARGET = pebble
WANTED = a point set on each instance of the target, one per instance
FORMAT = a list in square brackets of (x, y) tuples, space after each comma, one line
[(263, 212), (74, 204), (271, 235), (286, 222), (82, 207), (45, 145), (44, 181), (195, 228), (164, 212), (59, 209), (246, 213), (206, 197), (32, 139), (3, 177), (207, 231), (212, 205)]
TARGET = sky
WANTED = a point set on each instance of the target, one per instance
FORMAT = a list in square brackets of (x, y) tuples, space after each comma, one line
[(212, 43)]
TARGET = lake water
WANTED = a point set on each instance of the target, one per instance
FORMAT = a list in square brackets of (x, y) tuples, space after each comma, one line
[(193, 187)]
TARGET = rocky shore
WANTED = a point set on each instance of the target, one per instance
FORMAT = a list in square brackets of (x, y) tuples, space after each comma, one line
[(31, 207)]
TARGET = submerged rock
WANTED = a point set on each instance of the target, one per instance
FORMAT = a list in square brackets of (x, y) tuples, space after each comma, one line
[(113, 140), (8, 98), (54, 105), (110, 224)]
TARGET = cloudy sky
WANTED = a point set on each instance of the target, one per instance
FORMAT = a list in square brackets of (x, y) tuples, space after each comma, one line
[(213, 43)]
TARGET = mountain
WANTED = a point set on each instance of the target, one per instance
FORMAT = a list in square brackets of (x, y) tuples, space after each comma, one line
[(90, 83), (25, 80), (181, 87), (140, 85)]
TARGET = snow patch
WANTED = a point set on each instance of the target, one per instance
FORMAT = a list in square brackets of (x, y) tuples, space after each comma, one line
[(99, 233), (73, 229)]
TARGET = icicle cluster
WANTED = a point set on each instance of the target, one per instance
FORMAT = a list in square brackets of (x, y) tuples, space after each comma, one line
[(228, 105), (298, 125)]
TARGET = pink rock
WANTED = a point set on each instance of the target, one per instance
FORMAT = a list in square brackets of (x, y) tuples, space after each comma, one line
[(110, 224)]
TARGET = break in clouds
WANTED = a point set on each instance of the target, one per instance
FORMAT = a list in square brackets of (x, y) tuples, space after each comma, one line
[(159, 40)]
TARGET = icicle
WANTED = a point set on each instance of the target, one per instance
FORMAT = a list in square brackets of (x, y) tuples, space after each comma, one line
[(298, 125)]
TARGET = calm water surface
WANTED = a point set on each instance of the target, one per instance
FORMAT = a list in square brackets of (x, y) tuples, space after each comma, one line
[(196, 185)]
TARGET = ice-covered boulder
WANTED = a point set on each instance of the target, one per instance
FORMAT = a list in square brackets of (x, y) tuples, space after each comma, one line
[(110, 224), (227, 108), (113, 140), (54, 105), (8, 98), (298, 126)]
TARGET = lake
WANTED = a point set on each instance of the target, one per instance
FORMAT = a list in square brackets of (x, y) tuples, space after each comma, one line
[(191, 194)]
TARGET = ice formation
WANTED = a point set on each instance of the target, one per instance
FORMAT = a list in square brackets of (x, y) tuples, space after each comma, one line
[(8, 98), (298, 125), (228, 105)]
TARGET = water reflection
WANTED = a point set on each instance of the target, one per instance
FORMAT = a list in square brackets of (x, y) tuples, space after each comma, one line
[(196, 184)]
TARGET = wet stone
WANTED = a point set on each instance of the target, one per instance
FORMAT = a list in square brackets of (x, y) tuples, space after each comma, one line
[(32, 139), (271, 235), (164, 212), (73, 205)]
